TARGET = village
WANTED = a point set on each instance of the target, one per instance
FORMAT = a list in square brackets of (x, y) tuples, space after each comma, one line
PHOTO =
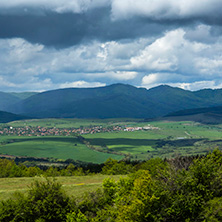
[(44, 131)]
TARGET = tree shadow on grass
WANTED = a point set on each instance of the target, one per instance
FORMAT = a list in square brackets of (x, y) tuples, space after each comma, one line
[(122, 141), (142, 142)]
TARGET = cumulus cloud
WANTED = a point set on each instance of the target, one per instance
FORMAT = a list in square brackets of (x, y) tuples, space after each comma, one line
[(64, 23), (172, 58), (167, 9), (72, 43), (81, 84), (121, 75), (174, 53), (150, 79), (29, 84), (209, 66), (181, 60), (161, 54), (124, 9), (24, 63), (155, 79), (198, 85)]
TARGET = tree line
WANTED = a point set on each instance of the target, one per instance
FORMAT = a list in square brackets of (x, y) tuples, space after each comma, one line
[(183, 189), (13, 168)]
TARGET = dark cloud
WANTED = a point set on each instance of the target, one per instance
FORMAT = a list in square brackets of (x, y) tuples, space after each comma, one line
[(67, 29), (52, 44)]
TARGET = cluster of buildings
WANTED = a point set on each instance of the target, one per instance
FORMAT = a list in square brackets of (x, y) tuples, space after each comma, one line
[(148, 127), (44, 131), (34, 131)]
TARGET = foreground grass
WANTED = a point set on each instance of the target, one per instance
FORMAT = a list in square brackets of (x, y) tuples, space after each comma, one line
[(74, 186)]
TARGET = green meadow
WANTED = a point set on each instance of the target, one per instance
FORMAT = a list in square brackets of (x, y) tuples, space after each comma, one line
[(126, 142), (74, 186), (169, 140), (71, 123), (55, 147)]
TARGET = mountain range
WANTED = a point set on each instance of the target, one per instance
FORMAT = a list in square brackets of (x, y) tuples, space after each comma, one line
[(114, 101)]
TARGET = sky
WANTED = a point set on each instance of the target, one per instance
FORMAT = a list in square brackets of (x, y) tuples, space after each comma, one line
[(51, 44)]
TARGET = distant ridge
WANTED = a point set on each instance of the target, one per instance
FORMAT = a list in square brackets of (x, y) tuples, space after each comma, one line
[(23, 95), (7, 100), (9, 117), (114, 101)]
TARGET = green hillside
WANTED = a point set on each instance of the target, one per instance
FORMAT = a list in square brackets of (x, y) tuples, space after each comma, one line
[(7, 100), (211, 115), (23, 95), (8, 117), (104, 102), (115, 101)]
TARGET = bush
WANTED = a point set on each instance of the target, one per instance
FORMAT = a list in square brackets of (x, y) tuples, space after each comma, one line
[(45, 201)]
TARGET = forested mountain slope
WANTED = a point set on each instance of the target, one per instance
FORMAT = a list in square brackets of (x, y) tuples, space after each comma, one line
[(115, 101)]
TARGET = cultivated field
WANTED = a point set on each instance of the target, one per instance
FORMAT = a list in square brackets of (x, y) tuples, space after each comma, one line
[(113, 137), (53, 147), (171, 139)]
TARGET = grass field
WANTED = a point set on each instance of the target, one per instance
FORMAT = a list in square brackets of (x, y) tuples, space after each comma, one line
[(126, 142), (71, 123), (73, 186), (171, 139), (56, 147)]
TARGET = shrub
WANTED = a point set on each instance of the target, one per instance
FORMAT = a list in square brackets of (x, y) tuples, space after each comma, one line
[(45, 201)]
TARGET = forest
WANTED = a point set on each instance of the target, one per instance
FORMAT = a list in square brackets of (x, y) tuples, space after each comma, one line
[(179, 189)]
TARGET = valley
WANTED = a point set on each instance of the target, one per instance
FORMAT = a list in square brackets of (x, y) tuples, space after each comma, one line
[(94, 141), (96, 146)]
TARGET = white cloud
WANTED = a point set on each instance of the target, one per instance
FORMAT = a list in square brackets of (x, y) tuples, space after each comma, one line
[(173, 52), (166, 9), (115, 75), (5, 83), (122, 75), (29, 84), (209, 66), (18, 49), (81, 84), (124, 9), (150, 79), (155, 79), (161, 54), (194, 86), (172, 58)]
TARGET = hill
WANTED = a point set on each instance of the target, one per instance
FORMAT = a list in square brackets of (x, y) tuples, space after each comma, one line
[(22, 95), (103, 102), (115, 101), (8, 117), (7, 100), (211, 115)]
